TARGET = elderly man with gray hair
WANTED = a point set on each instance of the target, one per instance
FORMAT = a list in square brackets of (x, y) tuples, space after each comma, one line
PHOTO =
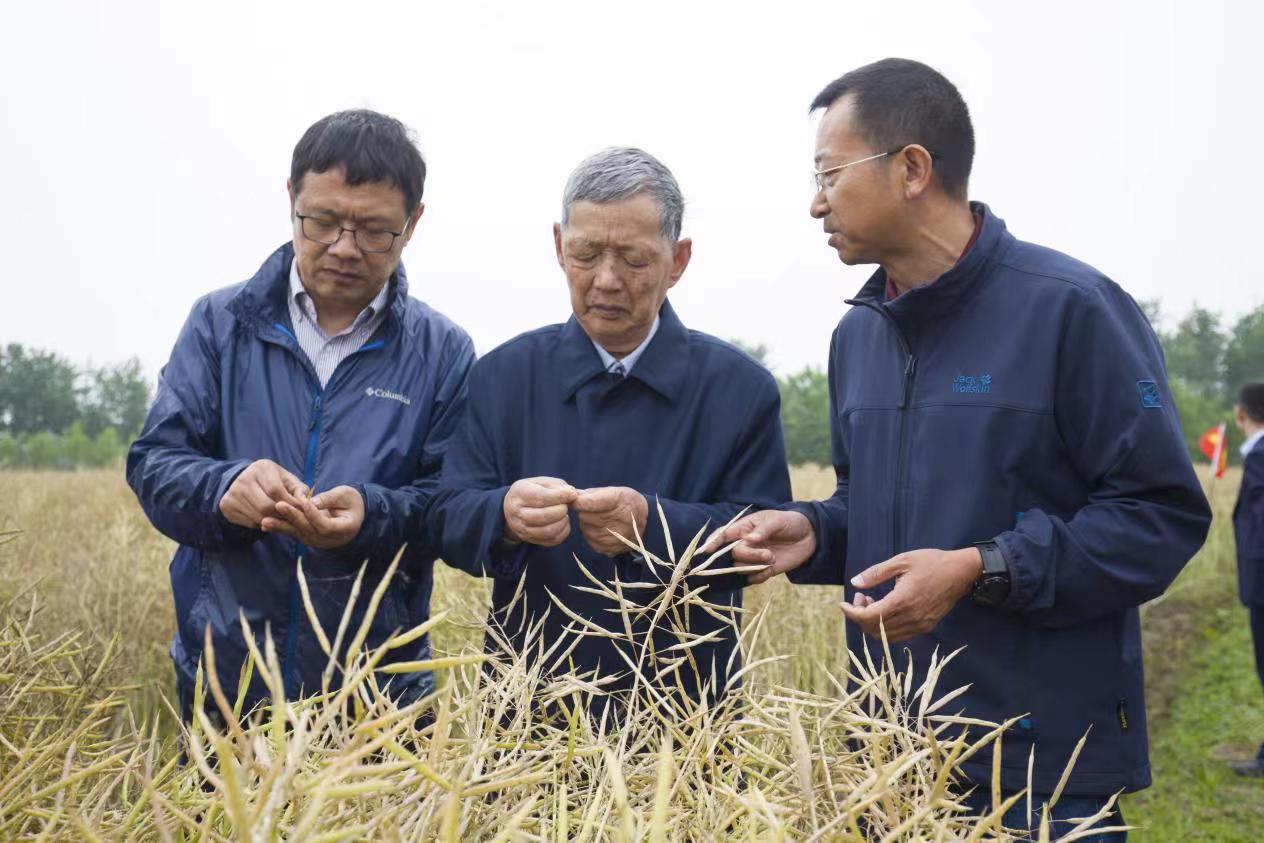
[(580, 430)]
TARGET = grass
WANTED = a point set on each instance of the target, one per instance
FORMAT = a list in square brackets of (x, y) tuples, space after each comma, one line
[(1206, 704), (94, 571)]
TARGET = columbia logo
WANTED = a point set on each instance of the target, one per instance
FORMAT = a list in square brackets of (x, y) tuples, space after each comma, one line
[(373, 392), (968, 383)]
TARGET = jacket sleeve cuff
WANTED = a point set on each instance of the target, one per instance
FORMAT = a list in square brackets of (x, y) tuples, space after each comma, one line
[(822, 568), (1022, 584)]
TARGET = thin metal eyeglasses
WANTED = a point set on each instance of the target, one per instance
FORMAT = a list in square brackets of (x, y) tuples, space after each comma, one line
[(328, 232), (818, 176)]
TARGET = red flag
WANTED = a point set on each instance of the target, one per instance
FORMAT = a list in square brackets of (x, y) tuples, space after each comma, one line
[(1213, 444)]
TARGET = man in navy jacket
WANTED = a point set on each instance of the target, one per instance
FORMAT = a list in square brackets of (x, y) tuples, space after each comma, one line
[(320, 372), (1248, 532), (580, 429), (1011, 474)]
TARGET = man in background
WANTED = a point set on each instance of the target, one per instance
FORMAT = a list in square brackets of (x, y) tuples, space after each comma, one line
[(1248, 533), (320, 372)]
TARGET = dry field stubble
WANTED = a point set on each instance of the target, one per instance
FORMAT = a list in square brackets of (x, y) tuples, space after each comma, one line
[(792, 754)]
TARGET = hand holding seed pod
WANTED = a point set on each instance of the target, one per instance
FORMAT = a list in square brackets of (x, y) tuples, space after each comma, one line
[(536, 511), (780, 540), (609, 512), (329, 520), (254, 493)]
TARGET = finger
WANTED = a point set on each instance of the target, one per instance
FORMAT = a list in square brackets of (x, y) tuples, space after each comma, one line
[(544, 516), (880, 573), (727, 535), (335, 498), (762, 576), (272, 481), (539, 496), (293, 516), (596, 501), (744, 554), (277, 525)]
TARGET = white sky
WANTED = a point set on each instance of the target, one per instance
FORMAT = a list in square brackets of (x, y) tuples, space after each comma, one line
[(147, 146)]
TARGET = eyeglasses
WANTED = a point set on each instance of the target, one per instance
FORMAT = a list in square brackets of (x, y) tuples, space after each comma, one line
[(327, 232), (818, 176)]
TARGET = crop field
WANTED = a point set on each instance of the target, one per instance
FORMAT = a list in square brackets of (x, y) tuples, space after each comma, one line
[(89, 747)]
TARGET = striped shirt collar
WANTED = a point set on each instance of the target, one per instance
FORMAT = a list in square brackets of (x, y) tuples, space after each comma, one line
[(628, 360), (307, 308)]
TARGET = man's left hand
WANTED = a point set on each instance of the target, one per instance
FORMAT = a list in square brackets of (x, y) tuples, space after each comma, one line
[(928, 583), (329, 520), (611, 508)]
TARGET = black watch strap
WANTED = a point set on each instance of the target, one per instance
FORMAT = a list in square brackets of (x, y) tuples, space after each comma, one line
[(993, 585)]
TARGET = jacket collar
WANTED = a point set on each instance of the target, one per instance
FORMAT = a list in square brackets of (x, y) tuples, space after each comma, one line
[(947, 292), (262, 302), (663, 366)]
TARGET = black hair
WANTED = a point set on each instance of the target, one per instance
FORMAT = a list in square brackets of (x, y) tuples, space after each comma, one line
[(1251, 399), (368, 146), (900, 102)]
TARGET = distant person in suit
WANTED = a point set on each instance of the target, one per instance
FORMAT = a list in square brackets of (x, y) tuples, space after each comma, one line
[(1248, 532)]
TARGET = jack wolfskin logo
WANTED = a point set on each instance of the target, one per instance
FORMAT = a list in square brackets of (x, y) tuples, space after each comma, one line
[(1151, 399), (969, 383), (373, 392)]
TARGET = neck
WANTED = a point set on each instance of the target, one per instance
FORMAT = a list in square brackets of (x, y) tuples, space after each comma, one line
[(933, 246), (1251, 428)]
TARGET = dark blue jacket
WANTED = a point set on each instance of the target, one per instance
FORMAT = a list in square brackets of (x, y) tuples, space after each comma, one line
[(695, 426), (1248, 528), (1020, 397), (238, 389)]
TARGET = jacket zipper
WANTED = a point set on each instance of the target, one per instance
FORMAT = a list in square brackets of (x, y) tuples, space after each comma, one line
[(906, 398), (309, 478)]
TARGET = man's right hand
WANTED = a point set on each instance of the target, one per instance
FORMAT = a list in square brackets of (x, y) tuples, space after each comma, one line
[(255, 492), (780, 540), (537, 511)]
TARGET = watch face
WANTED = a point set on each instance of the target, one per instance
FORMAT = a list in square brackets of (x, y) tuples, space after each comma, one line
[(992, 590)]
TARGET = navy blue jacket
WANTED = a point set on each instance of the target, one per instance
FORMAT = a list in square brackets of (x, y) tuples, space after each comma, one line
[(695, 426), (238, 389), (1248, 528), (1020, 397)]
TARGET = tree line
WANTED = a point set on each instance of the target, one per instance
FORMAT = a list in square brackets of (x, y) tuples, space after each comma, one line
[(56, 415)]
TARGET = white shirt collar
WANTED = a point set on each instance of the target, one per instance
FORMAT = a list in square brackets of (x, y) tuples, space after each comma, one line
[(308, 308), (628, 360), (1252, 441)]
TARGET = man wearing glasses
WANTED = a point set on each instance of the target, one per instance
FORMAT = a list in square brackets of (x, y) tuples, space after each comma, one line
[(319, 374), (1011, 474)]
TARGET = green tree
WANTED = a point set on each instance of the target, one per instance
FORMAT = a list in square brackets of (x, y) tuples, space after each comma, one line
[(1244, 356), (1195, 353), (118, 398), (37, 391), (805, 416)]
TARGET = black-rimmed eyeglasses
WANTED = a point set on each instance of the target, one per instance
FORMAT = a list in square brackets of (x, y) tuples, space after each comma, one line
[(327, 232)]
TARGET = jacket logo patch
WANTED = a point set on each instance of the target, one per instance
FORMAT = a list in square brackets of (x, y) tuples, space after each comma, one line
[(1151, 399), (374, 392), (969, 383)]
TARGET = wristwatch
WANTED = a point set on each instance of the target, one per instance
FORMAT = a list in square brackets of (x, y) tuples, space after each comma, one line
[(992, 586)]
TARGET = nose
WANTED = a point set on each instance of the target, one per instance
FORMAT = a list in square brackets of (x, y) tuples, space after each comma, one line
[(819, 209), (345, 246), (604, 276)]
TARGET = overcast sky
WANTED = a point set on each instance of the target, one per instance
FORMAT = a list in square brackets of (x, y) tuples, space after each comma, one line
[(147, 146)]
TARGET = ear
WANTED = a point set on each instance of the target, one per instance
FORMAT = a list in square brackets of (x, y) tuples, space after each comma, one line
[(411, 225), (289, 188), (918, 170), (682, 252), (557, 243)]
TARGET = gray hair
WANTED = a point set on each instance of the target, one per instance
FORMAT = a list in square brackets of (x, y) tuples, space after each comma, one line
[(621, 172)]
